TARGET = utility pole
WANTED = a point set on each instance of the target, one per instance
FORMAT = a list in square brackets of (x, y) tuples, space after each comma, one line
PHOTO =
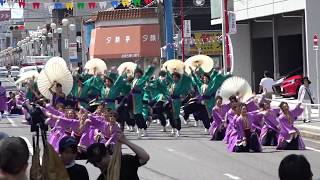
[(224, 11), (169, 28), (182, 29)]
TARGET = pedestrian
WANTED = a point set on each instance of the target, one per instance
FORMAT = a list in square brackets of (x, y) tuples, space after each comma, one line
[(3, 100), (14, 155), (68, 149), (295, 167), (266, 85), (100, 156), (305, 95)]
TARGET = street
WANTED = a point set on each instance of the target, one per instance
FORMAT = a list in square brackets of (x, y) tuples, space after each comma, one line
[(191, 156)]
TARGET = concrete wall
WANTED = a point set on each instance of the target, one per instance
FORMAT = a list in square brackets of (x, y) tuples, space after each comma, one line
[(248, 9), (312, 26), (242, 52)]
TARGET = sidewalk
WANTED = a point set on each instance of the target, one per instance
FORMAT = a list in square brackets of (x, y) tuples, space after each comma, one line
[(308, 130)]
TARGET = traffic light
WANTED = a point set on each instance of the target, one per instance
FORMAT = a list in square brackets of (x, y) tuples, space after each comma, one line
[(16, 27)]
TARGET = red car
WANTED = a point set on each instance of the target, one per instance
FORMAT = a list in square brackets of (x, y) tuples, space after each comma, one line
[(290, 86)]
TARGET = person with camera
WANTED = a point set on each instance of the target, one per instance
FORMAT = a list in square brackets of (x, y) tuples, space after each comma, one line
[(100, 156)]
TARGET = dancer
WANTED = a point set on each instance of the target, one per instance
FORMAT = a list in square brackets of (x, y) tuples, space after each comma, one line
[(3, 100), (217, 129), (179, 86), (289, 137), (245, 138), (137, 97), (57, 96), (160, 96), (270, 130)]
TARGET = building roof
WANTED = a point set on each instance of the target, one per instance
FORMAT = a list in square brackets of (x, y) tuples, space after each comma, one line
[(136, 13)]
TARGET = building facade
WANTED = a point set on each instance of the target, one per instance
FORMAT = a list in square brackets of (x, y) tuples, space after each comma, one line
[(274, 35)]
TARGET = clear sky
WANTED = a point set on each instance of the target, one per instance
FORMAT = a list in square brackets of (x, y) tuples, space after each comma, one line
[(16, 11)]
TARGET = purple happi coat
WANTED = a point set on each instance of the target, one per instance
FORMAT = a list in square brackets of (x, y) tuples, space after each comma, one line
[(67, 126), (229, 118), (3, 99), (109, 131), (238, 133), (287, 128), (270, 122), (218, 115)]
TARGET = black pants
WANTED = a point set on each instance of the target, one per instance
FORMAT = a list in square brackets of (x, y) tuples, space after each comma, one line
[(219, 134), (190, 107), (175, 123), (159, 110), (270, 139), (252, 144), (140, 121), (124, 116), (293, 145)]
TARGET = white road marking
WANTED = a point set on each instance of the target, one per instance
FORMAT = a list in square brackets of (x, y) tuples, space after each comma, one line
[(232, 176), (13, 123), (313, 149), (181, 154), (30, 147), (306, 139)]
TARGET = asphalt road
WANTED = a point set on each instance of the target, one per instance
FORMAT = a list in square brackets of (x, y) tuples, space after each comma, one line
[(192, 156)]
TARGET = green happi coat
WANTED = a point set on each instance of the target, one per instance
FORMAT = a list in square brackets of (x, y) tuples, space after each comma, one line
[(137, 90), (29, 94), (147, 96), (177, 90), (110, 95), (159, 90), (91, 89), (208, 91)]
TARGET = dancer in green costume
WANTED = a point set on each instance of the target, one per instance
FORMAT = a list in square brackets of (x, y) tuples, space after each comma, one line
[(137, 96)]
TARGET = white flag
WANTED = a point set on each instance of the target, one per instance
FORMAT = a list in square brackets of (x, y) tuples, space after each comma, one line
[(103, 4), (10, 3)]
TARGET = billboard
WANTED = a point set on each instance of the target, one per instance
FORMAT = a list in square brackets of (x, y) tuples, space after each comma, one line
[(122, 42), (208, 43)]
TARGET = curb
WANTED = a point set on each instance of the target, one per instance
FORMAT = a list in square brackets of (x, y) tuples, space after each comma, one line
[(310, 135)]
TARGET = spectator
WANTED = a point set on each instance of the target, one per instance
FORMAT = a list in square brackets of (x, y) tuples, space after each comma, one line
[(295, 167), (266, 85), (100, 157), (14, 155), (305, 96), (68, 148)]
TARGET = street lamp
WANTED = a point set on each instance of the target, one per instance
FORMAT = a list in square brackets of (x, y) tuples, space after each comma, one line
[(199, 2), (72, 27), (44, 31), (59, 30), (53, 26), (65, 22)]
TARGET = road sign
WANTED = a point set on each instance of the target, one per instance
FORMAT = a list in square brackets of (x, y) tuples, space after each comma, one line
[(315, 42), (232, 23), (187, 28), (73, 54), (5, 15)]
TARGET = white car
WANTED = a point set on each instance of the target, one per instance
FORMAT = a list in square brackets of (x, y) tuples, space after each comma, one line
[(14, 71), (26, 69), (4, 72)]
